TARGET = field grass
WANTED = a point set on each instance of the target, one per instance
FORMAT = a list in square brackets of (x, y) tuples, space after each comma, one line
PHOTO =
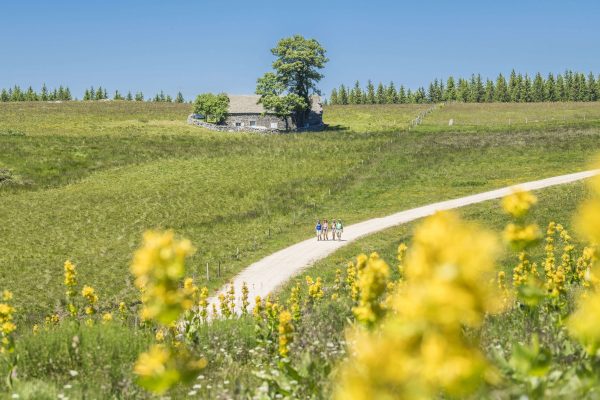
[(372, 118), (512, 117), (88, 197), (238, 364)]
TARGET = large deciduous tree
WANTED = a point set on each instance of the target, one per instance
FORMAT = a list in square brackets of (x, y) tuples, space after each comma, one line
[(297, 64), (271, 91), (213, 107)]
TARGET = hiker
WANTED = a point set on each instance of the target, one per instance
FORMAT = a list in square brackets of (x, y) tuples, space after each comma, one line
[(333, 229), (339, 228), (318, 229), (325, 230)]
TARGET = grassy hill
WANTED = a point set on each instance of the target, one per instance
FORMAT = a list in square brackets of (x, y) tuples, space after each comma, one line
[(89, 178)]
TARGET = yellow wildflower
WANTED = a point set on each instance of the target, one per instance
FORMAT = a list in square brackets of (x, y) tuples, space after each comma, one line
[(159, 268), (258, 308), (160, 368), (107, 317), (426, 353), (583, 323), (521, 237), (245, 302), (372, 282), (286, 330), (203, 303), (518, 203), (400, 257)]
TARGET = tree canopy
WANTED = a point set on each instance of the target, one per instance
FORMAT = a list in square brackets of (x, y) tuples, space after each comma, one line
[(287, 91), (212, 106)]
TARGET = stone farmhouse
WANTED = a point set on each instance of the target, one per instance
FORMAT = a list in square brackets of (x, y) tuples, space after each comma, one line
[(245, 114)]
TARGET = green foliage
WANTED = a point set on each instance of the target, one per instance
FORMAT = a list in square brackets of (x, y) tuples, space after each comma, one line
[(297, 64), (69, 354), (272, 97), (213, 106), (570, 86)]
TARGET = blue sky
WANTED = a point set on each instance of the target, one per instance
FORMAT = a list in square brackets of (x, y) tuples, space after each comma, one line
[(198, 46)]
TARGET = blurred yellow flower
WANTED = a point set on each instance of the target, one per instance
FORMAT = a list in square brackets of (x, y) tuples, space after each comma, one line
[(159, 268), (518, 203), (419, 350)]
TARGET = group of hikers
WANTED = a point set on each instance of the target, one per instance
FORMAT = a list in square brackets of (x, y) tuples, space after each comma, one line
[(336, 228)]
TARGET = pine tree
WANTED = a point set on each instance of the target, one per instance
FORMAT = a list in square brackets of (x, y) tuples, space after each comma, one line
[(129, 96), (105, 94), (479, 88), (431, 93), (513, 87), (169, 99), (489, 91), (100, 93), (450, 93), (591, 88), (391, 96), (139, 96), (333, 99), (561, 90), (380, 94), (402, 98), (343, 94), (30, 95), (550, 89), (355, 96), (462, 92), (44, 93), (420, 95), (527, 89), (16, 94), (68, 96), (363, 98), (537, 91), (179, 99), (410, 97), (92, 93), (86, 95), (4, 96), (371, 93), (501, 89), (582, 88)]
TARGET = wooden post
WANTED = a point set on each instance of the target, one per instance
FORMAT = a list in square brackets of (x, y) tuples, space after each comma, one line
[(207, 275)]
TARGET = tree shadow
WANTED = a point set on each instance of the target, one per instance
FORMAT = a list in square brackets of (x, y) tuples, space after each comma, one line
[(336, 128)]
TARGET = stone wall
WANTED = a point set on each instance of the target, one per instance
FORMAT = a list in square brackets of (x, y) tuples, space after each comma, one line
[(247, 128), (268, 121)]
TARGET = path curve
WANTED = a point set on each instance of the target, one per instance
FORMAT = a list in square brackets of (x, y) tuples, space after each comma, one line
[(268, 274)]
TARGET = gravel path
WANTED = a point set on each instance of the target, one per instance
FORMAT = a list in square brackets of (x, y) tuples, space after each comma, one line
[(266, 275)]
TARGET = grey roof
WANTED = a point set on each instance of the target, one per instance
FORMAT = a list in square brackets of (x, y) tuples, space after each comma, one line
[(248, 104)]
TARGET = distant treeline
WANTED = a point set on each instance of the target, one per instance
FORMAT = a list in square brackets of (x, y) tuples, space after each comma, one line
[(63, 93), (17, 94), (570, 86)]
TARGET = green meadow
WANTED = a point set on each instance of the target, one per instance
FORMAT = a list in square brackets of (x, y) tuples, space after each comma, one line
[(84, 180)]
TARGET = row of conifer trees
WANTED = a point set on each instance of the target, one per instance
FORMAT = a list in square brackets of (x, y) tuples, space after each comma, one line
[(519, 88), (63, 93)]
